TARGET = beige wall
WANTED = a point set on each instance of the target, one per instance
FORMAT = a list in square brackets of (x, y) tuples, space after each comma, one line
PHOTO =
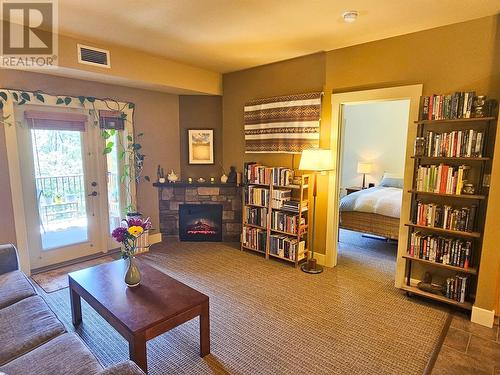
[(156, 114), (138, 68), (456, 57), (200, 112)]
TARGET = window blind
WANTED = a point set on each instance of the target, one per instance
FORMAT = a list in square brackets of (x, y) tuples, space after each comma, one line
[(55, 120)]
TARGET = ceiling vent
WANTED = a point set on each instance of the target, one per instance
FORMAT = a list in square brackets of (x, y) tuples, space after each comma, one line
[(93, 56)]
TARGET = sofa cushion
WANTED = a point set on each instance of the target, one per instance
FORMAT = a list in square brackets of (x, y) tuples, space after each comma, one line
[(65, 354), (14, 286), (25, 325), (122, 368)]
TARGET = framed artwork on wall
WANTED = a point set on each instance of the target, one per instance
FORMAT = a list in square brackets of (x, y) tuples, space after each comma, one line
[(201, 146)]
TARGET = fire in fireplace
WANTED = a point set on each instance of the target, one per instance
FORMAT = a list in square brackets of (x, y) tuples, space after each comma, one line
[(200, 222)]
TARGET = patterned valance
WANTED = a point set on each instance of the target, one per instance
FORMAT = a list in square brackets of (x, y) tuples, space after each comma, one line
[(283, 124)]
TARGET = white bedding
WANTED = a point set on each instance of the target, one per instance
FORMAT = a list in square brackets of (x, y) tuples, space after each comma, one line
[(377, 200)]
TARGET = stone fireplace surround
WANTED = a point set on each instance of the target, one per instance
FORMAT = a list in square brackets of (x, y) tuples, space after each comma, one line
[(172, 195)]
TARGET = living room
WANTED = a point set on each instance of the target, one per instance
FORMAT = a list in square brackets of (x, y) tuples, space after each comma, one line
[(175, 125)]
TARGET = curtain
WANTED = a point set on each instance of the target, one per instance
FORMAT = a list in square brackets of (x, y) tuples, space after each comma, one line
[(284, 124), (55, 120)]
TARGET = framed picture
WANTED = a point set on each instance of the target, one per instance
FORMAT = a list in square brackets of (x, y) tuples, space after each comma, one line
[(201, 146)]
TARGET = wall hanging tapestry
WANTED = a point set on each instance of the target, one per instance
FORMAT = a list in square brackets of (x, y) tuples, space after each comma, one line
[(283, 124)]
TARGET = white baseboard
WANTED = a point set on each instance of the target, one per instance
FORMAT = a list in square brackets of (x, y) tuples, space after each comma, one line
[(154, 238), (482, 316)]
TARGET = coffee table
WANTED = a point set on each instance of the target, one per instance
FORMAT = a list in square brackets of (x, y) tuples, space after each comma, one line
[(157, 305)]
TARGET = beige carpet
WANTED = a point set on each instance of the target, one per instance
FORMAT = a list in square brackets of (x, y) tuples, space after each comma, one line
[(51, 281), (270, 318)]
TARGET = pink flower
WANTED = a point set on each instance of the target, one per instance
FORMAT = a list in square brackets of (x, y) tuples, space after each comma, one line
[(135, 222), (119, 234)]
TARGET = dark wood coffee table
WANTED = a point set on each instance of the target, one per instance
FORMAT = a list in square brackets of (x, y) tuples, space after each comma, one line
[(139, 314)]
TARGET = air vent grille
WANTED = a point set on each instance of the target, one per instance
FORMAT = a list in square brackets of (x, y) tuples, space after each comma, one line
[(93, 56)]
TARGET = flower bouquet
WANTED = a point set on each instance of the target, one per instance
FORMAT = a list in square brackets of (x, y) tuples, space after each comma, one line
[(127, 235)]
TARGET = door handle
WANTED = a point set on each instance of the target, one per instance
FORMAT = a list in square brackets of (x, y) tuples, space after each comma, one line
[(93, 194)]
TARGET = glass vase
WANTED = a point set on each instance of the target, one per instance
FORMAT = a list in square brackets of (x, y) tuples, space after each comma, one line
[(133, 275)]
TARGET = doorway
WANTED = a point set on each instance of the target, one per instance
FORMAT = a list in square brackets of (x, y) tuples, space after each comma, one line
[(71, 191), (339, 101), (372, 165)]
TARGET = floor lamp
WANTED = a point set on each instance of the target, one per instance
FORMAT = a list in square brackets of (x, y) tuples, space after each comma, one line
[(317, 161)]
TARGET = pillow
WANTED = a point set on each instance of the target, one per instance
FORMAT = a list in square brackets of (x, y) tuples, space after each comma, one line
[(392, 180)]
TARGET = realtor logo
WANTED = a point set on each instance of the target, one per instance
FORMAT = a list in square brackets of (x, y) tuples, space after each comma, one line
[(29, 33)]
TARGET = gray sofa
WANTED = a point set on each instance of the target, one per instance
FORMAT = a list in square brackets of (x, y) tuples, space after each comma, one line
[(32, 339)]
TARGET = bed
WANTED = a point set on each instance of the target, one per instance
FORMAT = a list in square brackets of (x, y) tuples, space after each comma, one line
[(374, 210)]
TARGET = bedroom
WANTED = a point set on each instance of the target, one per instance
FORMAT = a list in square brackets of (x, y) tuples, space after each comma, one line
[(373, 147)]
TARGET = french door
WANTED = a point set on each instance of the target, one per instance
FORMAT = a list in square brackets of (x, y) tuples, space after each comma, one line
[(72, 192)]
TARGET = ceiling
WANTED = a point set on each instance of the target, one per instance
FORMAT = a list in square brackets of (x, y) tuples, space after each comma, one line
[(229, 35)]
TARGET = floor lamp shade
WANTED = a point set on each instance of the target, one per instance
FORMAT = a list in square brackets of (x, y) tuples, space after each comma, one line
[(317, 160)]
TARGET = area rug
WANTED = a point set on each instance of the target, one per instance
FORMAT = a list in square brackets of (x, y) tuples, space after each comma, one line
[(51, 281), (268, 317)]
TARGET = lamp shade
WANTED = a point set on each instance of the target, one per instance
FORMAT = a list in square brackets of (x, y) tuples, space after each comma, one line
[(316, 159), (364, 167)]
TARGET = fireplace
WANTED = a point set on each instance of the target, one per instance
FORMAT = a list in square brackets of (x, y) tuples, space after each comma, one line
[(200, 222)]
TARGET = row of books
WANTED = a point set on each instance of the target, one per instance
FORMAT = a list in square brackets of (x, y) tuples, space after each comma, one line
[(280, 197), (456, 288), (451, 106), (254, 238), (444, 250), (257, 196), (286, 247), (262, 175), (445, 216), (286, 223), (458, 143), (445, 179), (256, 216), (293, 206)]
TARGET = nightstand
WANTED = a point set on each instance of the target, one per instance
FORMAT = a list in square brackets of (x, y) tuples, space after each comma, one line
[(352, 189)]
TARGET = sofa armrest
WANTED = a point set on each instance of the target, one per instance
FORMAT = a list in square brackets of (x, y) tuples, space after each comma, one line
[(8, 258), (122, 368)]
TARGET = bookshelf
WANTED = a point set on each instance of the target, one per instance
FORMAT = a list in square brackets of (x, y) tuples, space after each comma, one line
[(275, 213), (446, 224)]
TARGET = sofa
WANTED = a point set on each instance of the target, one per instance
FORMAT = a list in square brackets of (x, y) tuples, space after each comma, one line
[(32, 339)]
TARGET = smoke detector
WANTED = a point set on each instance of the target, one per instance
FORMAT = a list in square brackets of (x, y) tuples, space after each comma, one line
[(350, 16)]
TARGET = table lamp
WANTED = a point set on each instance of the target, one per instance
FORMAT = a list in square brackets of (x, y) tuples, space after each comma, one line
[(315, 160), (364, 168)]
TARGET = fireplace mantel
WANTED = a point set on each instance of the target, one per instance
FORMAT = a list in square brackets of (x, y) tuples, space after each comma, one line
[(171, 195)]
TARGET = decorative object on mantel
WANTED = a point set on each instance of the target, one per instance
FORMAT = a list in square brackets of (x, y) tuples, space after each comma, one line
[(172, 177), (200, 180), (212, 180), (223, 178), (231, 178), (284, 124), (190, 180), (201, 146), (160, 174), (128, 235), (316, 160)]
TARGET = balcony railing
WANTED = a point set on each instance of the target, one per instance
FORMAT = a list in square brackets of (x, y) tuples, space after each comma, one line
[(60, 197)]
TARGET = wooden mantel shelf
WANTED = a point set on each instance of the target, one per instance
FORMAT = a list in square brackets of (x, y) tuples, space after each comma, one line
[(192, 185)]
